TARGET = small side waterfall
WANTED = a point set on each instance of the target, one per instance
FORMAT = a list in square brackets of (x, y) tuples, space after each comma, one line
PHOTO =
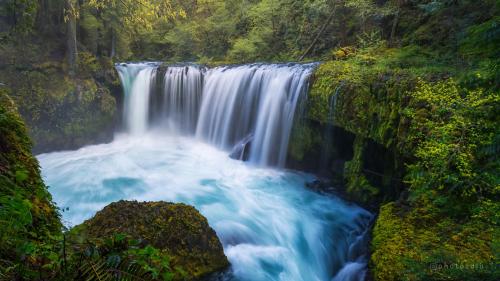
[(222, 105), (328, 135), (136, 80)]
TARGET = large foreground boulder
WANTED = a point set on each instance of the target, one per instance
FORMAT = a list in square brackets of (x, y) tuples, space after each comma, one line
[(178, 229)]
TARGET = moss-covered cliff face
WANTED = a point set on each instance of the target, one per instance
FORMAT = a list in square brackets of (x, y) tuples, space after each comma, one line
[(369, 91), (28, 218), (420, 145), (178, 231), (424, 244), (61, 111), (413, 134)]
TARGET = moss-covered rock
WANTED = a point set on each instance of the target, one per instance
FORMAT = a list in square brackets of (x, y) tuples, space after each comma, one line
[(424, 149), (420, 245), (61, 111), (368, 90), (178, 230)]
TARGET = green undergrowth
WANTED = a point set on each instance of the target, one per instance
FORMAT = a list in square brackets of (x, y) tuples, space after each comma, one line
[(28, 218), (423, 244), (435, 111)]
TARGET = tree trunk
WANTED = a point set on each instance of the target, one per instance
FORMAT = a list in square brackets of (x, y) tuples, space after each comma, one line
[(393, 29), (14, 15), (328, 21), (71, 47), (112, 53)]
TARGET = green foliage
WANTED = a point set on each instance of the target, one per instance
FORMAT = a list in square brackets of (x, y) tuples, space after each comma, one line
[(422, 245), (20, 15), (32, 246), (450, 125), (27, 215), (165, 226), (63, 112), (480, 44), (443, 132), (119, 257), (482, 39), (358, 186)]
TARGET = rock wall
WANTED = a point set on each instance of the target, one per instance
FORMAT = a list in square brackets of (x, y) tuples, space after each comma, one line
[(61, 111)]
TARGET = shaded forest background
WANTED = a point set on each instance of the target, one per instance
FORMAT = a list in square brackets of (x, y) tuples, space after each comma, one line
[(234, 30)]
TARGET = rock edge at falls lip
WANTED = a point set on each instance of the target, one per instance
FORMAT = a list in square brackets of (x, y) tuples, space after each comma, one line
[(178, 229)]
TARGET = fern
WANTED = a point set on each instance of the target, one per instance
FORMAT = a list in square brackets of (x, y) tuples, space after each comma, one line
[(95, 271), (114, 269)]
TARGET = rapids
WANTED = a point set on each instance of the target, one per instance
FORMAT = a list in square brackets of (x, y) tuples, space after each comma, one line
[(180, 125)]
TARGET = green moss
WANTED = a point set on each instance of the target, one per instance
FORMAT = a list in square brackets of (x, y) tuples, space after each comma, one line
[(27, 215), (443, 136), (419, 245), (357, 186), (61, 111), (179, 231), (371, 90), (303, 140)]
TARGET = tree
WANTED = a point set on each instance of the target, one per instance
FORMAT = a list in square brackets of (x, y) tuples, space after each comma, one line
[(125, 19), (19, 14), (140, 13), (71, 14)]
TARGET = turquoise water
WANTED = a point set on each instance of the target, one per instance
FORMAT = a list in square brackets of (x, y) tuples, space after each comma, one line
[(271, 226)]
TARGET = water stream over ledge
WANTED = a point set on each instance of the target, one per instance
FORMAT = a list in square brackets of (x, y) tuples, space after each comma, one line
[(177, 149)]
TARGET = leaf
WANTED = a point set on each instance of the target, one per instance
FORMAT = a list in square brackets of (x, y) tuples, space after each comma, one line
[(21, 176)]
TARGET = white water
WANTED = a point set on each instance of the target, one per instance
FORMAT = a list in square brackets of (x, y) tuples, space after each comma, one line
[(257, 99), (221, 106), (271, 226), (137, 87), (180, 100)]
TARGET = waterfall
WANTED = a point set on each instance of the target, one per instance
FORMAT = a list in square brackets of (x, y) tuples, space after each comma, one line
[(328, 135), (221, 106), (136, 80), (183, 121), (180, 98)]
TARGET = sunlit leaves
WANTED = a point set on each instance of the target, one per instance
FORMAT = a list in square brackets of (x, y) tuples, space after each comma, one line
[(449, 126), (142, 13)]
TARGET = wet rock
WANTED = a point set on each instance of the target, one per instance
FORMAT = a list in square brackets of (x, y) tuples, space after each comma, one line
[(178, 229), (241, 151)]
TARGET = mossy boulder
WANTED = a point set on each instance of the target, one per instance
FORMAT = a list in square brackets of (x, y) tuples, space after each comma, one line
[(178, 230)]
